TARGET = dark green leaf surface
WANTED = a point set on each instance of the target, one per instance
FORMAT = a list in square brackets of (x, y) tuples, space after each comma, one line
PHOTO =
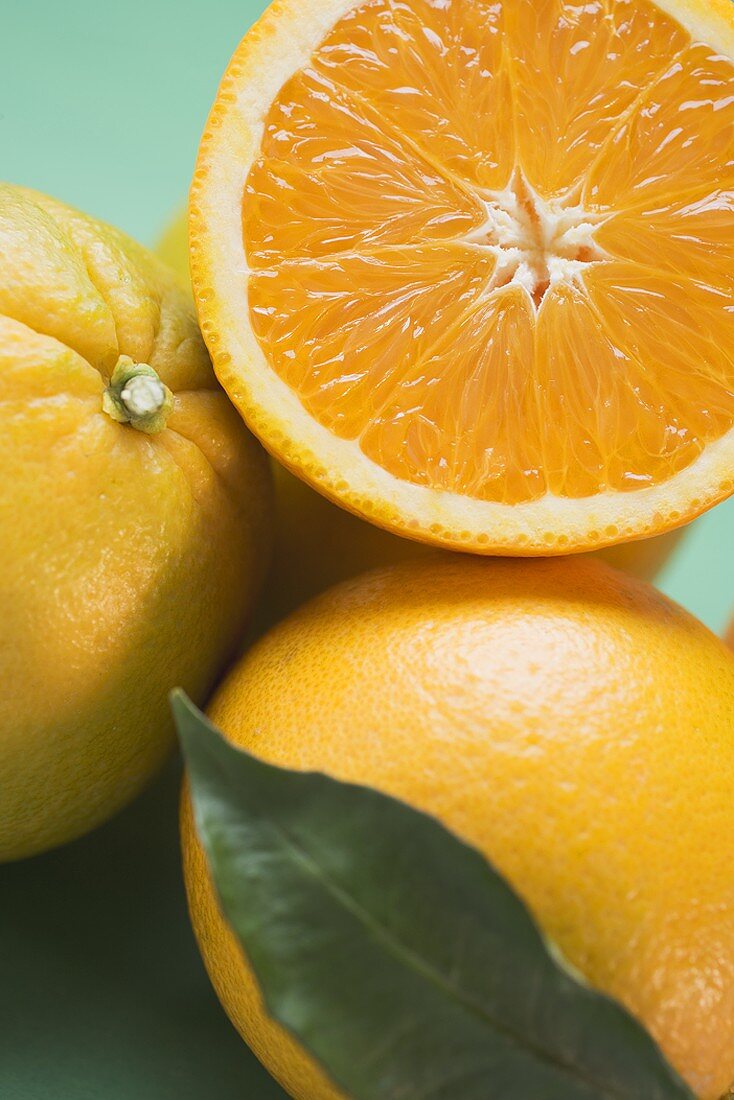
[(393, 951)]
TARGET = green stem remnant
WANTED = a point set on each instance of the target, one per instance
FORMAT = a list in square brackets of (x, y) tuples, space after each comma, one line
[(136, 396)]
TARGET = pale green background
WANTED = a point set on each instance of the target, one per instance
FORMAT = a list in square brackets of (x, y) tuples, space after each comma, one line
[(102, 996)]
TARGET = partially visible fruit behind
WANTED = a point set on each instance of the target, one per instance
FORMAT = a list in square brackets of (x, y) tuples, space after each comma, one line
[(318, 543), (173, 247), (569, 721), (134, 518), (645, 557)]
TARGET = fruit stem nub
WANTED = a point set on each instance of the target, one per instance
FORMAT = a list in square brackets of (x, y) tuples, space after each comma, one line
[(136, 396)]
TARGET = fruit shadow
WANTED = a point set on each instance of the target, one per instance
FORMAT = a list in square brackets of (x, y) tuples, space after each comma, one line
[(102, 991)]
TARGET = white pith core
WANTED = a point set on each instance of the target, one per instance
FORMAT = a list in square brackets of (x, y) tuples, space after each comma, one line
[(537, 243)]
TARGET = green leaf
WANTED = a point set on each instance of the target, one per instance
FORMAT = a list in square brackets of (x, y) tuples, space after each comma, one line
[(393, 951)]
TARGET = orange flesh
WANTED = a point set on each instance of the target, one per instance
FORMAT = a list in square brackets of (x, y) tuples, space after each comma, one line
[(490, 242)]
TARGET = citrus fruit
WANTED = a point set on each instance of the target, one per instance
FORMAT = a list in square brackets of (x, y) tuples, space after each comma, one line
[(134, 518), (465, 267), (569, 721), (173, 246), (318, 544)]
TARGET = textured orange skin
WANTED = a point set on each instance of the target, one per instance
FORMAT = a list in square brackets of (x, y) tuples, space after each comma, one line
[(130, 562), (569, 721)]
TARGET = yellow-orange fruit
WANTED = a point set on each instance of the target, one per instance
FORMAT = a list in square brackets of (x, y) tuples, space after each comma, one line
[(569, 721), (134, 518)]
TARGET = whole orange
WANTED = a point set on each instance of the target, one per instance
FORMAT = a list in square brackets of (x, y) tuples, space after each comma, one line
[(134, 518), (569, 721)]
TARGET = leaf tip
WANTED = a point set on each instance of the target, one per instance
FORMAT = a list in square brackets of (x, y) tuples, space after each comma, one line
[(189, 720), (180, 703), (199, 738)]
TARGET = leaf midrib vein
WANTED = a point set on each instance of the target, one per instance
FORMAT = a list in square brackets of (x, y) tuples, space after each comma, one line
[(429, 974)]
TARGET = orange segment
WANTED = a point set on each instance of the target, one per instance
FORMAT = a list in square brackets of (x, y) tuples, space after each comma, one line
[(578, 69), (484, 288), (452, 70), (593, 395), (690, 236), (331, 177), (679, 333), (348, 332), (680, 135), (476, 384)]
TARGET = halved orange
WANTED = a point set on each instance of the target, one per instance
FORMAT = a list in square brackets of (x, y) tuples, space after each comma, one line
[(466, 265)]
